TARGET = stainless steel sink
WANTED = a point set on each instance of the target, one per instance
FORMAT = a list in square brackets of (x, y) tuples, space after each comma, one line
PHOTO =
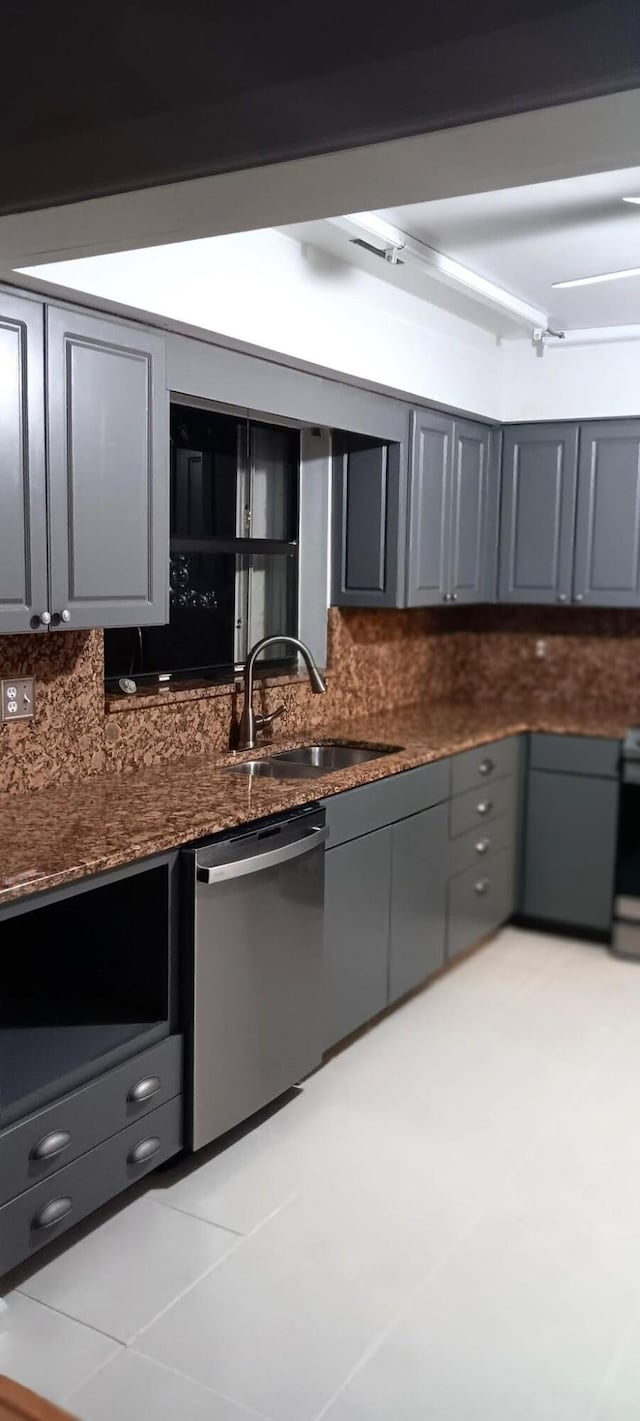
[(268, 769), (338, 755)]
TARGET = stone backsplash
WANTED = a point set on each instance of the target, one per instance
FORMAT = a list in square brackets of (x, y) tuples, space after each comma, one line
[(377, 661)]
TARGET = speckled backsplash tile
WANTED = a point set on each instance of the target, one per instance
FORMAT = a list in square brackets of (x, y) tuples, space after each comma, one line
[(377, 661)]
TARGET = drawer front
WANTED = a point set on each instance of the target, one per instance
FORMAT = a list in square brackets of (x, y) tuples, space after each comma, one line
[(359, 811), (489, 762), (480, 899), (35, 1148), (50, 1208), (575, 755), (479, 845), (479, 807)]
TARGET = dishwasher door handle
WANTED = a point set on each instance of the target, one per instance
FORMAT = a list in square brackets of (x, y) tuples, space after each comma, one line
[(224, 871)]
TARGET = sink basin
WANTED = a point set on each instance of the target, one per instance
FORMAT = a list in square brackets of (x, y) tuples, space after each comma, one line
[(269, 770), (336, 756)]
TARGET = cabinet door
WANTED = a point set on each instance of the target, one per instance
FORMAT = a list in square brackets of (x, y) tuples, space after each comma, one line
[(356, 932), (470, 552), (420, 851), (607, 560), (537, 521), (429, 508), (569, 850), (23, 520), (108, 473), (367, 568)]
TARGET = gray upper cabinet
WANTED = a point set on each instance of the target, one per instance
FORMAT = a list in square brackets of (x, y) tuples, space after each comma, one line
[(23, 530), (537, 516), (607, 551), (429, 508), (108, 449), (471, 563), (450, 543), (368, 566)]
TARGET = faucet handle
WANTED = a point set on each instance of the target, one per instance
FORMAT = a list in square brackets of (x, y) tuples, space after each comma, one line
[(262, 720)]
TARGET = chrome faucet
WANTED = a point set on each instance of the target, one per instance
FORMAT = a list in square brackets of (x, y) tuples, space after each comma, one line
[(251, 721)]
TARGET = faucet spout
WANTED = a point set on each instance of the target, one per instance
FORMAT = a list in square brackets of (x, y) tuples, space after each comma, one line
[(250, 720)]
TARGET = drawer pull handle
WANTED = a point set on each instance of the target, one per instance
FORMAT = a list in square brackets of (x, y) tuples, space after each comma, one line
[(482, 886), (485, 806), (483, 846), (144, 1151), (144, 1089), (52, 1213), (486, 766), (51, 1145)]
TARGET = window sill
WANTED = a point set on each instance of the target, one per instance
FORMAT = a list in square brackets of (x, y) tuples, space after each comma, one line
[(175, 692)]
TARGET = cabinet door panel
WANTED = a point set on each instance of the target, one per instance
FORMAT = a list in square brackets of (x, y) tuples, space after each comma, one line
[(430, 508), (539, 474), (607, 561), (470, 574), (570, 844), (420, 855), (23, 525), (356, 932), (366, 495), (108, 472)]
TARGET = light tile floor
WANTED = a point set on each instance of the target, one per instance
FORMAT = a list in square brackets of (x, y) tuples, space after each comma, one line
[(443, 1225)]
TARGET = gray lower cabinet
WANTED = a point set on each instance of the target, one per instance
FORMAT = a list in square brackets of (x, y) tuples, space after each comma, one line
[(569, 849), (43, 1213), (108, 452), (418, 899), (356, 932), (451, 511), (481, 899), (537, 513), (607, 548), (368, 522), (23, 520)]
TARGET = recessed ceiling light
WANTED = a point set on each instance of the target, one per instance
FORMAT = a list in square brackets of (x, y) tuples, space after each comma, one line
[(603, 276), (631, 199)]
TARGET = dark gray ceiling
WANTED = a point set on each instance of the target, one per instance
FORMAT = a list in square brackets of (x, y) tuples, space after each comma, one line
[(99, 98)]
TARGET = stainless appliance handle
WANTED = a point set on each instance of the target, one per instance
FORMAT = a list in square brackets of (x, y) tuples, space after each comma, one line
[(257, 862)]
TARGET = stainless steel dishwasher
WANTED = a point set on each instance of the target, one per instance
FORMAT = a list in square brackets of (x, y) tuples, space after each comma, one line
[(257, 905)]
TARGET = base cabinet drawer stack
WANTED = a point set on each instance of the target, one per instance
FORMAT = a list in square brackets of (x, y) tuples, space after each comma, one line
[(484, 832), (60, 1164)]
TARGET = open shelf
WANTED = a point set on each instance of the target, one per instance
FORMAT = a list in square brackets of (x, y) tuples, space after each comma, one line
[(39, 1064), (84, 984)]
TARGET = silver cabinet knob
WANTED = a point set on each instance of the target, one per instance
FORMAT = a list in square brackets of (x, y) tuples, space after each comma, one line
[(51, 1145), (481, 887), (485, 806), (45, 618), (562, 597), (486, 766), (65, 615), (144, 1089), (483, 846), (144, 1151), (579, 597), (446, 596), (52, 1213), (454, 596)]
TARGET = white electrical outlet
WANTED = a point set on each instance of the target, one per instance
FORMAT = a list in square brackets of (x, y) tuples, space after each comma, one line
[(17, 698), (541, 649)]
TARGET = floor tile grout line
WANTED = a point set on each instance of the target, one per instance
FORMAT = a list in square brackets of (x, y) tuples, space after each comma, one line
[(614, 1361), (190, 1214), (243, 1410), (70, 1317), (185, 1291), (95, 1372)]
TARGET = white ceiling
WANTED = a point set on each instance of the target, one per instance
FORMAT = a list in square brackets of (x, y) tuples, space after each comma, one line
[(523, 239)]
